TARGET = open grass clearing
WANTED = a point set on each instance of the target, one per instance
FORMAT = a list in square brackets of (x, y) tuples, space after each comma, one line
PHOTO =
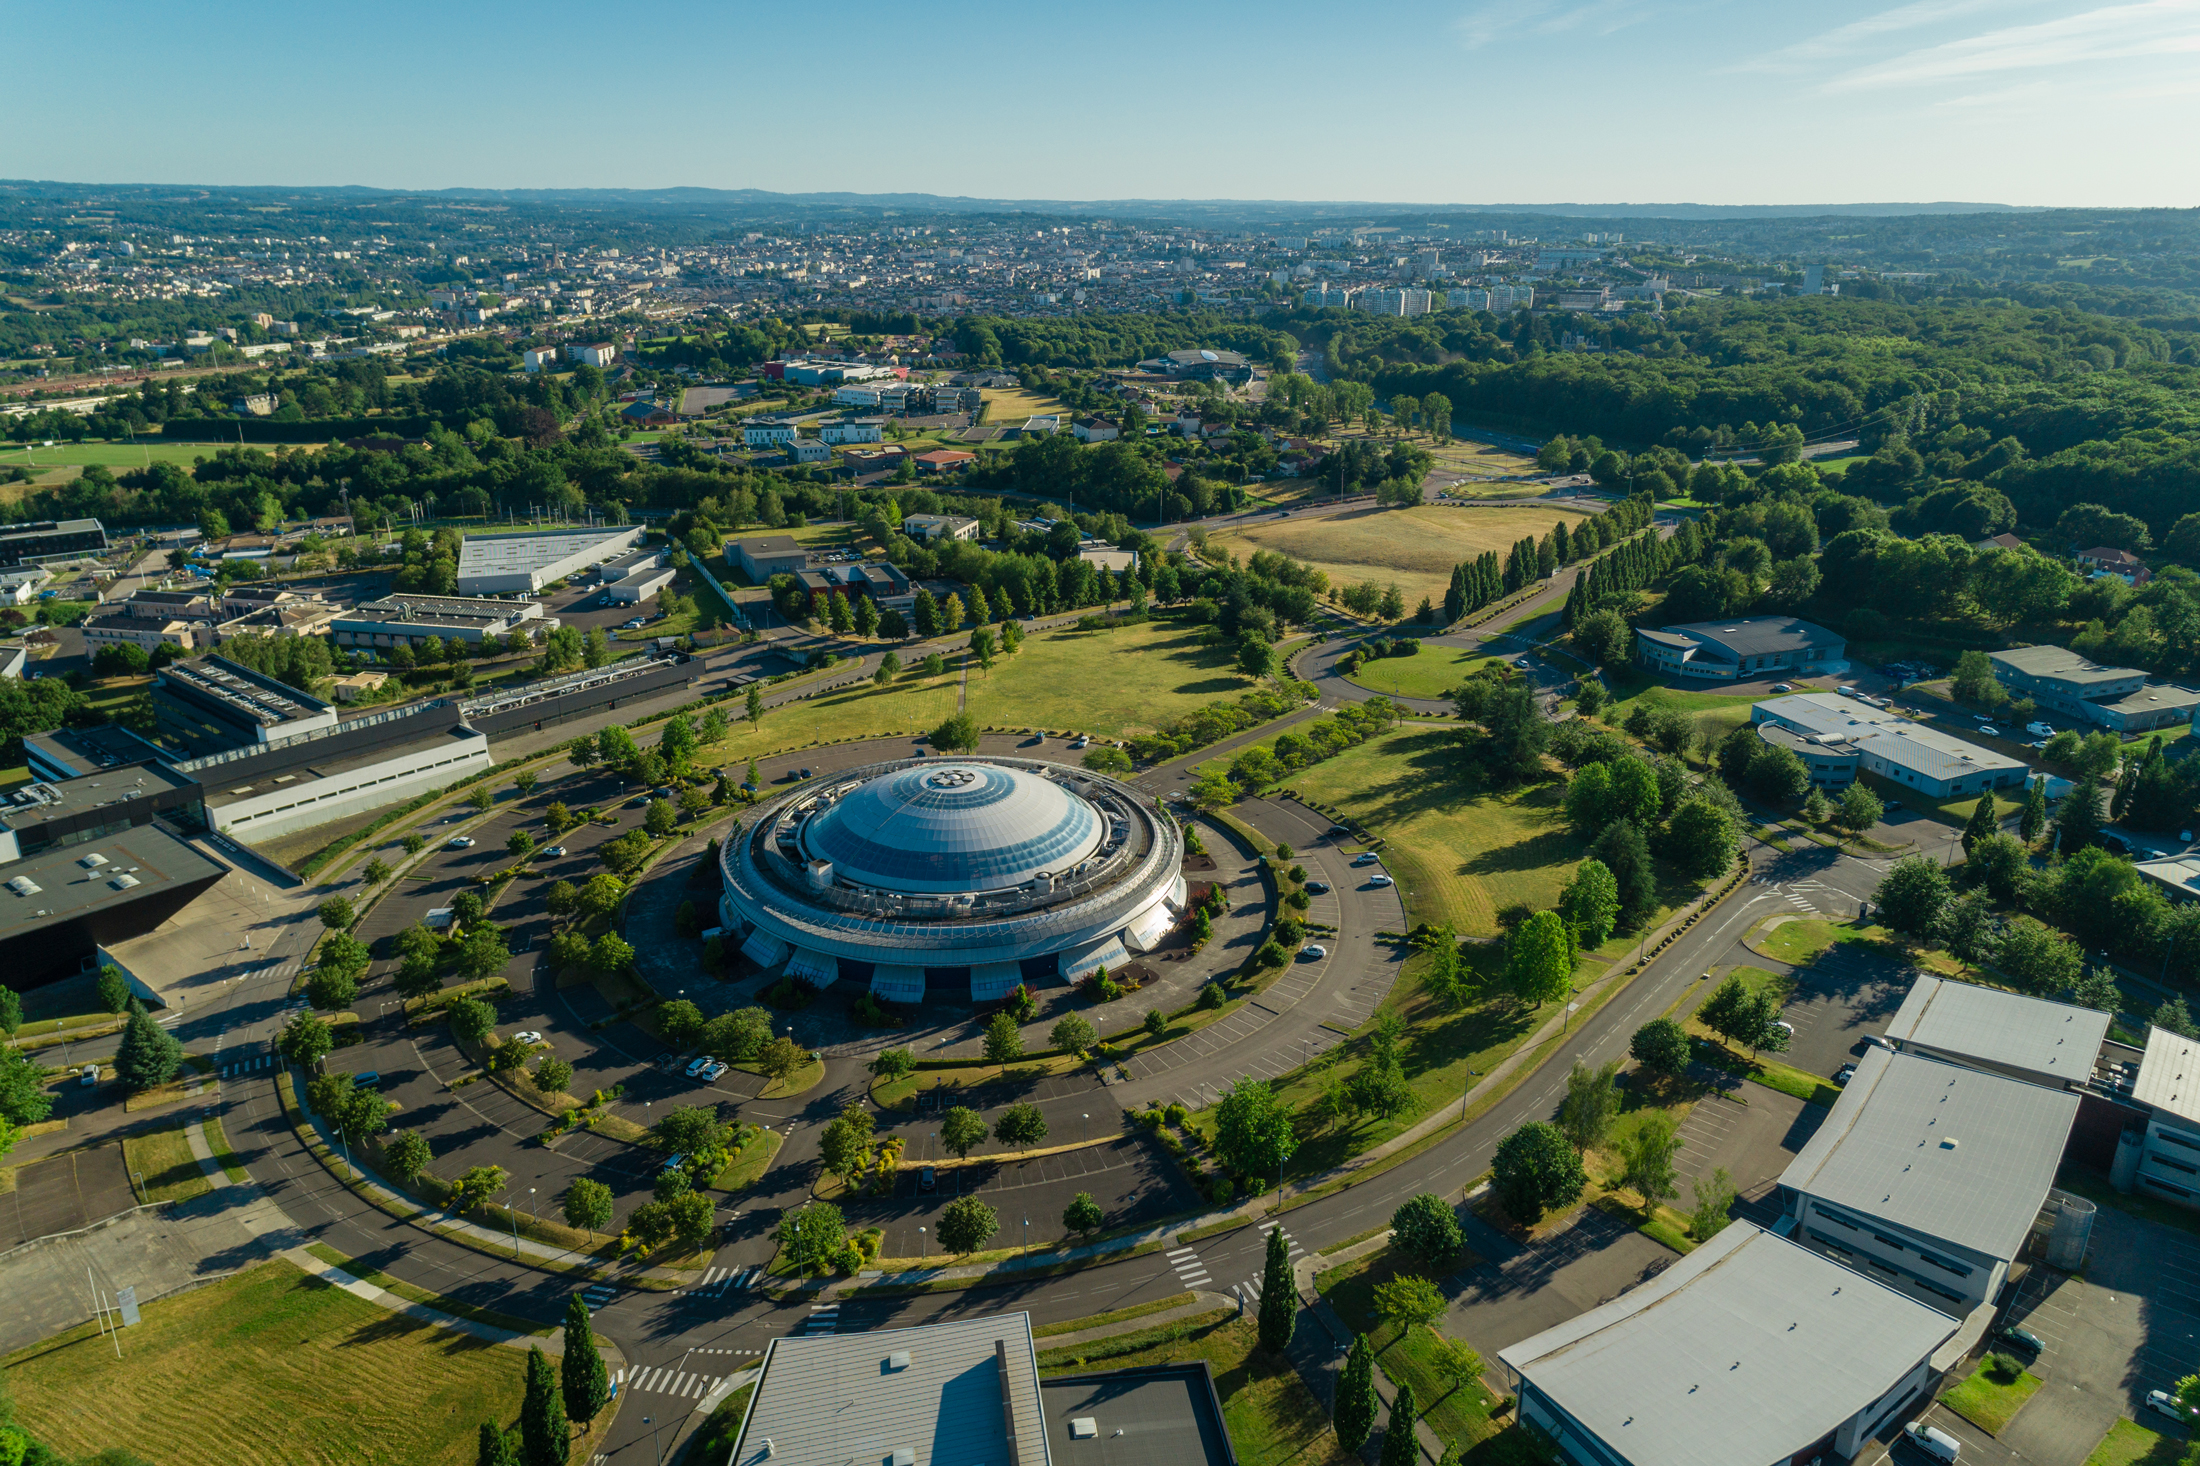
[(1460, 1417), (1433, 672), (2128, 1443), (270, 1368), (1114, 682), (749, 1161), (162, 1165), (1991, 1397), (1007, 407), (1415, 547), (118, 456), (217, 1141), (1273, 1418)]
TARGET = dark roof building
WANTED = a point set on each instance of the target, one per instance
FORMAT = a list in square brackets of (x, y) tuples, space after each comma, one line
[(59, 906), (50, 539), (1741, 648)]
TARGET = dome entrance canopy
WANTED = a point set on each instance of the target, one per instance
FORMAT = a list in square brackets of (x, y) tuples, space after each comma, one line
[(954, 827)]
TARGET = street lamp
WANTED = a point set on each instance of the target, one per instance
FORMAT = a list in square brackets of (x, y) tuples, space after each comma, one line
[(1027, 1236), (652, 1424), (923, 1254)]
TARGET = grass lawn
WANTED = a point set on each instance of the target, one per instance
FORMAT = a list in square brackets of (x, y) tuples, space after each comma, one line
[(2128, 1443), (750, 1161), (714, 1442), (269, 1368), (1432, 673), (1007, 407), (1273, 1418), (1120, 1315), (1461, 852), (1717, 713), (217, 1141), (163, 1158), (1459, 1417), (1112, 683), (140, 454), (1990, 1399), (1799, 941), (1415, 547)]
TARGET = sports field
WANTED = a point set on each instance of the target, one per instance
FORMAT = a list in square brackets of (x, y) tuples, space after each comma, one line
[(1007, 407), (269, 1368), (1414, 547)]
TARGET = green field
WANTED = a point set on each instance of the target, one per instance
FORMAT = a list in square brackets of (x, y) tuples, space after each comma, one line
[(1432, 673), (2128, 1443), (112, 455), (1460, 1417), (1414, 547), (1114, 682), (161, 1162), (1990, 1400), (1461, 853), (268, 1368)]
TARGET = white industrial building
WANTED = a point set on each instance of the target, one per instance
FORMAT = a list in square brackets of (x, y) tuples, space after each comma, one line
[(522, 564), (1836, 737)]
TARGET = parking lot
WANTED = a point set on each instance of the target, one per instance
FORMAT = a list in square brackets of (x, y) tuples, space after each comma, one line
[(1848, 993), (1752, 1142)]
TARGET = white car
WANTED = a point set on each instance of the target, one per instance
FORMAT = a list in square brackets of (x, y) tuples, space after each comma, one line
[(462, 842), (1315, 950), (2040, 730), (1785, 1027), (695, 1069), (634, 625), (528, 1036), (1380, 880), (1988, 730), (2162, 1402), (712, 1072), (552, 850), (1080, 743)]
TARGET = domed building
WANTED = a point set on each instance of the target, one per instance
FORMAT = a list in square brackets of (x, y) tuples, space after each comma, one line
[(953, 876)]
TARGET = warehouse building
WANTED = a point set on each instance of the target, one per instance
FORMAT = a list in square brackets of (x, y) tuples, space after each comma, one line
[(522, 564), (632, 579), (763, 556), (2120, 699), (408, 620), (1747, 647), (1750, 1349), (2053, 1044), (1838, 737)]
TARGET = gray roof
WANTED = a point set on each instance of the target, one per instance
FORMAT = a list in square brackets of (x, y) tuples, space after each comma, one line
[(2062, 664), (488, 554), (1758, 636), (837, 1399), (1166, 1415), (1899, 740), (1749, 1349), (2155, 696), (132, 865), (2054, 1040), (1939, 1150), (2169, 1075)]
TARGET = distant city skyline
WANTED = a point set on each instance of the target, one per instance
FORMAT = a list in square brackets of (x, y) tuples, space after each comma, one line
[(2025, 102)]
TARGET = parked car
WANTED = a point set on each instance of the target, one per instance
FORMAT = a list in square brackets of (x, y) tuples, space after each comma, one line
[(1933, 1441), (549, 851), (673, 1163), (462, 842), (1339, 830), (1783, 687), (2024, 1339), (527, 1036), (2162, 1402), (2040, 730), (1988, 730), (1785, 1027), (1318, 888), (1080, 743), (927, 1180), (1844, 1074), (695, 1069), (90, 1077), (1366, 857), (713, 1072), (1315, 950), (1380, 880)]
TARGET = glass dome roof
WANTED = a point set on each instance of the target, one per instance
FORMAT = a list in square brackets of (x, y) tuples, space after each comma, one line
[(953, 827)]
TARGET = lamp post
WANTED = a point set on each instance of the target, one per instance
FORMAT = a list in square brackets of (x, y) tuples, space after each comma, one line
[(652, 1424), (923, 1252), (1027, 1236)]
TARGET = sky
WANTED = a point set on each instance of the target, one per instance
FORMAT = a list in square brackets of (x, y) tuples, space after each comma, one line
[(2042, 102)]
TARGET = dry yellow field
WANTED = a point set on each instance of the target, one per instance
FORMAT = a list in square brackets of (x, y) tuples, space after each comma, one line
[(1007, 407), (1414, 547)]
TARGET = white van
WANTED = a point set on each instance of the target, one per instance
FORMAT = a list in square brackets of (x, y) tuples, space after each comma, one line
[(1934, 1442)]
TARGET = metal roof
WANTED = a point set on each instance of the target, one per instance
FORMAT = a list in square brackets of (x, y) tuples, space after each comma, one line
[(967, 1394), (1757, 636), (1751, 1348), (483, 554), (2169, 1075), (2053, 1040), (955, 827), (1939, 1150), (1163, 1415), (1890, 736), (2061, 664)]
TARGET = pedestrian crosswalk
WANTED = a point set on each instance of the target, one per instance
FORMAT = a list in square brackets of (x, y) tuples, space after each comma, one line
[(1189, 1269), (716, 1282), (247, 1066), (824, 1319), (597, 1295), (1250, 1288), (669, 1380)]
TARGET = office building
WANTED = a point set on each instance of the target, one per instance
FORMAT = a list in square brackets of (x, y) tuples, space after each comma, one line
[(2120, 699), (1839, 737), (2032, 1039), (377, 627), (50, 539), (763, 556), (61, 904), (1751, 1349), (634, 578), (1744, 647), (929, 528), (2161, 1155), (219, 703), (522, 564)]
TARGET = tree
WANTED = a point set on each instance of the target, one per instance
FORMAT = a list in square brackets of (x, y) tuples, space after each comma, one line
[(1354, 1417), (1253, 1134), (1535, 1170), (114, 989), (813, 1237), (689, 1130), (407, 1153), (1778, 776), (1605, 638), (753, 709), (1661, 1047), (1592, 1101), (1399, 1448), (544, 1438), (148, 1055), (24, 1099), (352, 1112), (962, 1130), (1539, 959), (2037, 959), (305, 1040), (1021, 1126), (587, 1205), (1912, 895), (1083, 1214), (376, 872), (1004, 1041), (1714, 1199), (611, 955), (1700, 840), (894, 1063), (496, 1446), (2033, 823), (1073, 1033), (782, 1059), (2176, 1017), (845, 1147), (582, 1378), (336, 914), (2096, 988), (1858, 809), (681, 1023), (11, 1012), (1456, 1361), (520, 846), (1646, 1157), (1255, 657), (1408, 1300), (1279, 1296), (1426, 1227), (1625, 852), (958, 733), (1982, 822), (1590, 903), (968, 1223)]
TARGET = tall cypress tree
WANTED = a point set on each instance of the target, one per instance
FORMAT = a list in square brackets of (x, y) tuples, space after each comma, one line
[(1398, 1449), (1355, 1413), (1562, 542), (1279, 1300), (544, 1439), (1982, 822), (586, 1385), (2035, 810), (495, 1447)]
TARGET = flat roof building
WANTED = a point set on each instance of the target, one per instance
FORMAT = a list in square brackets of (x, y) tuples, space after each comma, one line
[(1750, 1349), (407, 620), (761, 557), (939, 526), (1983, 1028), (1837, 737), (1740, 648), (2120, 699), (51, 539), (59, 906), (233, 703), (521, 564), (2163, 1158), (1928, 1175)]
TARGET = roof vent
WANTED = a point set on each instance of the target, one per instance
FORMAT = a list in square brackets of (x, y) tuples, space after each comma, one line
[(905, 1456), (1947, 1142), (898, 1360), (1083, 1428)]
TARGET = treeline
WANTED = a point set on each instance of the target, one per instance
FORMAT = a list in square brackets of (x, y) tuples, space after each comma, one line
[(1094, 340)]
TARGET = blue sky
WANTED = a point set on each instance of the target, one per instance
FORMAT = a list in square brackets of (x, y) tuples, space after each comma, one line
[(1490, 101)]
